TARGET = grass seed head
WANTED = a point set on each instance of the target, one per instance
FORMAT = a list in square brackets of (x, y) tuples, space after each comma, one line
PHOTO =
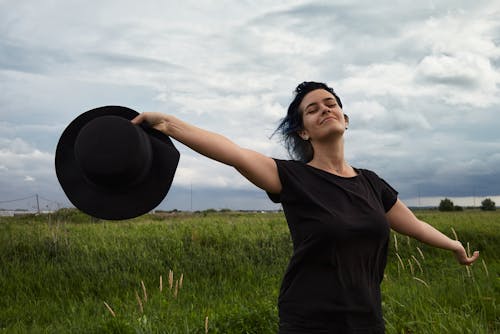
[(421, 254), (176, 289), (170, 279), (421, 281), (110, 309), (144, 293), (418, 264), (400, 261), (139, 302), (411, 266), (485, 268)]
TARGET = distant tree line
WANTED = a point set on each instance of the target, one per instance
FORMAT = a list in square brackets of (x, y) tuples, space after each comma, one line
[(447, 205), (488, 205)]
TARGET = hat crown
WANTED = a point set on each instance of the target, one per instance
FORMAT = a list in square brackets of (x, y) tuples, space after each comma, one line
[(113, 152)]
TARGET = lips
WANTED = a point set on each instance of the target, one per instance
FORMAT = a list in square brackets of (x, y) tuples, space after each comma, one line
[(326, 119)]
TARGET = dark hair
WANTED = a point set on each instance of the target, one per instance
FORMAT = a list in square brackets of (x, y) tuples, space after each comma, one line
[(292, 124)]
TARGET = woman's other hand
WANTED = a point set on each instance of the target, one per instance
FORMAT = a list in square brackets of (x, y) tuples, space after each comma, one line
[(461, 254)]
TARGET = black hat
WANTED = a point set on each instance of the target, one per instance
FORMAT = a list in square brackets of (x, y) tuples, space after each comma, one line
[(112, 169)]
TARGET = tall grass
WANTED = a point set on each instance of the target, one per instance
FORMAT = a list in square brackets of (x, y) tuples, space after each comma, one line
[(425, 291), (219, 273)]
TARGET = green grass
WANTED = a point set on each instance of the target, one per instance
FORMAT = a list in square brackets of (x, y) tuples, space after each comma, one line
[(57, 271)]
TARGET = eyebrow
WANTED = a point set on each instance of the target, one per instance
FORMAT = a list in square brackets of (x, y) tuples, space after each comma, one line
[(315, 103)]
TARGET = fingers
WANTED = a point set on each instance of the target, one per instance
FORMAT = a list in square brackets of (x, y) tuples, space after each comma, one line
[(138, 119), (155, 120), (473, 258), (152, 118), (468, 260), (464, 258)]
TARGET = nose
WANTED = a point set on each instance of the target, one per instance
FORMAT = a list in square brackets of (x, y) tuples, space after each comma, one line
[(325, 110)]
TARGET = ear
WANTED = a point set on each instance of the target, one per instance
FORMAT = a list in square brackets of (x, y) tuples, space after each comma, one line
[(303, 134), (346, 119)]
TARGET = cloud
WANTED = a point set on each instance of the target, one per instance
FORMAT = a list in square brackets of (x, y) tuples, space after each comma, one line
[(463, 78), (460, 71), (371, 114), (20, 158), (459, 30), (417, 80), (20, 57), (393, 79)]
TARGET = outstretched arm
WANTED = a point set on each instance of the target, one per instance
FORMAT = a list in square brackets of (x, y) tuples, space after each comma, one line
[(402, 220), (257, 168)]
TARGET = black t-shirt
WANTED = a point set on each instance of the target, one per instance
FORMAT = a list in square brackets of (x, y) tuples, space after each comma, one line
[(340, 236)]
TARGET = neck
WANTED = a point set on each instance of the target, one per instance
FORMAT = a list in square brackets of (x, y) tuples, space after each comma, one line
[(329, 156)]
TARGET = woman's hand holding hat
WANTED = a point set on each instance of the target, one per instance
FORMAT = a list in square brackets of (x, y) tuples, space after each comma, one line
[(156, 120)]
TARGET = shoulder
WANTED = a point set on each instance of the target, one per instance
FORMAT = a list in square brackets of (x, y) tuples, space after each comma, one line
[(289, 164), (373, 178), (291, 171), (367, 173), (386, 193), (365, 170)]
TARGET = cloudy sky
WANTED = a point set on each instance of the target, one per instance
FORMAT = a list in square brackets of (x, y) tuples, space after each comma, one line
[(419, 80)]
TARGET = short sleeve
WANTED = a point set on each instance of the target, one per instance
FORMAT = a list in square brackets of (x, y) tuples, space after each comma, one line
[(289, 171), (385, 192), (388, 195), (276, 198)]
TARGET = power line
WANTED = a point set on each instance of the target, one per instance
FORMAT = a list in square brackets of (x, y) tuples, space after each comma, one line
[(19, 199), (51, 203), (49, 200)]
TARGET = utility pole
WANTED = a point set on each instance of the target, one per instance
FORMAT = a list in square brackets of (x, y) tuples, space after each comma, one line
[(37, 204)]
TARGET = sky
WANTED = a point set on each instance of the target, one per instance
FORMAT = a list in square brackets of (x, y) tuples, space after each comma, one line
[(420, 82)]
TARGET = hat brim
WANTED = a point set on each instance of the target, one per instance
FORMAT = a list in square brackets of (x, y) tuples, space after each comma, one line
[(118, 203)]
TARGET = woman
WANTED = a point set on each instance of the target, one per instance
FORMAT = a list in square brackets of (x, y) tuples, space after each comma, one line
[(339, 216)]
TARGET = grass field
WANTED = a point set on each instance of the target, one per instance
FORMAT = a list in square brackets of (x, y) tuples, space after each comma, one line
[(220, 273)]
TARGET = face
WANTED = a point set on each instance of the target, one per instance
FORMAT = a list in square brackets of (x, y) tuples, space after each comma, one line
[(321, 115)]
